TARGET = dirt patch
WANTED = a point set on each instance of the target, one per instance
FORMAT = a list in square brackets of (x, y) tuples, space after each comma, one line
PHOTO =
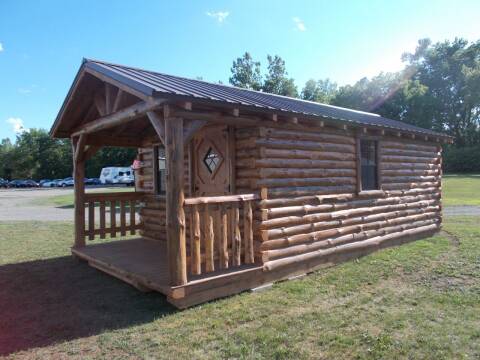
[(452, 237)]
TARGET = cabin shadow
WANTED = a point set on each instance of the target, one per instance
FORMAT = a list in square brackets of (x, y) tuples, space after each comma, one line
[(48, 301)]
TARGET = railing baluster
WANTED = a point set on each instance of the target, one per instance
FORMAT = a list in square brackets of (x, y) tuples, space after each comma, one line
[(132, 217), (196, 261), (248, 232), (209, 239), (123, 218), (237, 239), (224, 237), (102, 219), (113, 218), (91, 220)]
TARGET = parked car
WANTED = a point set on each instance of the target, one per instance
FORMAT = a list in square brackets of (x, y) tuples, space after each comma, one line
[(30, 183), (17, 184), (41, 182), (65, 182), (50, 183), (92, 181), (3, 183)]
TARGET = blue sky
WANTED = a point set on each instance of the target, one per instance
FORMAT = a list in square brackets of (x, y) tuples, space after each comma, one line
[(42, 42)]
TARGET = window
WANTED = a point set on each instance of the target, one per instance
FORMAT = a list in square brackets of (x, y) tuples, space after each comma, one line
[(369, 164), (159, 169), (211, 160)]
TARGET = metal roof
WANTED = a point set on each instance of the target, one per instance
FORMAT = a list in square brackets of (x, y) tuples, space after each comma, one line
[(156, 84)]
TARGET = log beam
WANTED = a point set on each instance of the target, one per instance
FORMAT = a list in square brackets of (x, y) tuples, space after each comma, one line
[(176, 242), (79, 190), (158, 124), (120, 117)]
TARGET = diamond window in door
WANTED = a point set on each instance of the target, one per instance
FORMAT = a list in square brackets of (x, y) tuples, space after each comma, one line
[(211, 160)]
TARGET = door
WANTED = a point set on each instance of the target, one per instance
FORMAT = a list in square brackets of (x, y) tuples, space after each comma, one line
[(211, 163)]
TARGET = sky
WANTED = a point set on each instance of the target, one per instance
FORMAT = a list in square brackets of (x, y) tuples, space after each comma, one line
[(42, 43)]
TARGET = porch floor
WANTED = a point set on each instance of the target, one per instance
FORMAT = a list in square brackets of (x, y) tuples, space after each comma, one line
[(139, 262)]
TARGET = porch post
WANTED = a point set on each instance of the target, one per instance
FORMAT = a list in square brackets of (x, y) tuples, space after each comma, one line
[(174, 151), (78, 144)]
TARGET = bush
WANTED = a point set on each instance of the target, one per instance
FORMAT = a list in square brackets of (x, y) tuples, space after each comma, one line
[(461, 160)]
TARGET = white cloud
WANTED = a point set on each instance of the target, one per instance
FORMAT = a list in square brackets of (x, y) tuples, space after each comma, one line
[(1, 47), (299, 24), (220, 16), (17, 125)]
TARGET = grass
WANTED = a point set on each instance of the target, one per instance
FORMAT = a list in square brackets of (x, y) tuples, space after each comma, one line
[(420, 300), (461, 190)]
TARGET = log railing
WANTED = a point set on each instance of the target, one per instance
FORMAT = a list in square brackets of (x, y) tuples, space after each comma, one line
[(122, 218), (220, 233)]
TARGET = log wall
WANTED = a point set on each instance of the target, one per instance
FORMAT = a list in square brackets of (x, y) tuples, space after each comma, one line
[(313, 208)]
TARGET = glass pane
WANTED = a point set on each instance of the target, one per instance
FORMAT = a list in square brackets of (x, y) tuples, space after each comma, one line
[(368, 153), (211, 160)]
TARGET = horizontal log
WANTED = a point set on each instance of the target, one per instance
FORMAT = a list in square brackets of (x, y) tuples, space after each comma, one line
[(406, 186), (292, 144), (409, 146), (336, 231), (127, 195), (295, 163), (308, 190), (272, 133), (351, 247), (405, 179), (409, 172), (302, 210), (272, 173), (306, 200), (305, 154), (343, 239), (313, 222), (415, 153), (384, 165), (429, 190), (220, 199), (323, 181), (408, 159)]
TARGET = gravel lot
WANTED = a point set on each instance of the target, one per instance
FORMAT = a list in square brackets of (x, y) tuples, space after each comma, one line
[(16, 204)]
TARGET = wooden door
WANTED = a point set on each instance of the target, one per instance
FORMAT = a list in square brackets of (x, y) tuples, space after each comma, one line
[(211, 163)]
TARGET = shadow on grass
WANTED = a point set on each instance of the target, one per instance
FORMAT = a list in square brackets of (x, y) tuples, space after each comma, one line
[(48, 301)]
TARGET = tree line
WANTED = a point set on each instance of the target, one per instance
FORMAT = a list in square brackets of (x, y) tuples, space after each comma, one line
[(35, 155), (438, 89)]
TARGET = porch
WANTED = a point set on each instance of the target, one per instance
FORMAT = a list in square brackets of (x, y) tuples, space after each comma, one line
[(218, 243)]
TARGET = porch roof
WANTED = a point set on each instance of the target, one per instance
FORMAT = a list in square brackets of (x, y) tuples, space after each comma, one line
[(158, 85)]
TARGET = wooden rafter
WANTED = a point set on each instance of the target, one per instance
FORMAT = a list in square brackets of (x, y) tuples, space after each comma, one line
[(100, 104), (158, 124), (120, 117)]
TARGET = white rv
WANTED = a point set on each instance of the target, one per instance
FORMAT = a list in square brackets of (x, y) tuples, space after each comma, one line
[(117, 175)]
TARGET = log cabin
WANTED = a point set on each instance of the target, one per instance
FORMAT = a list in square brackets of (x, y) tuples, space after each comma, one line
[(236, 188)]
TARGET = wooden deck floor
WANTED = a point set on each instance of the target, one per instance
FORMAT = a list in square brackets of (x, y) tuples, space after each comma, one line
[(143, 264), (140, 262)]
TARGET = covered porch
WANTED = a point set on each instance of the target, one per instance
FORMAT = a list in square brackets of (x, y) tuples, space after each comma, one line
[(200, 242)]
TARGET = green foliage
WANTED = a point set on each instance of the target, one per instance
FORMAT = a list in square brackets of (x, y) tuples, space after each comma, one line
[(35, 155), (277, 80), (246, 73), (462, 160), (322, 91)]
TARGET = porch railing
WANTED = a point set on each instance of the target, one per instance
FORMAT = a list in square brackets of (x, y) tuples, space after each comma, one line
[(122, 218), (219, 237)]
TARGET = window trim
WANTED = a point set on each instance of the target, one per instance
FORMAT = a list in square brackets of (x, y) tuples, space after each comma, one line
[(155, 172), (378, 141)]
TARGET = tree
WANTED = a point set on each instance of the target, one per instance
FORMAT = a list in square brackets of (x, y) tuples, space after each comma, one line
[(246, 73), (451, 72), (277, 81), (322, 91)]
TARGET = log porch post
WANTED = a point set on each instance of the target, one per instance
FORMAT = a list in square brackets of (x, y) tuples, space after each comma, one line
[(78, 144), (174, 151)]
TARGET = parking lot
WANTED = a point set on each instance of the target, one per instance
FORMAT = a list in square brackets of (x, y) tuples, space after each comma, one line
[(25, 204)]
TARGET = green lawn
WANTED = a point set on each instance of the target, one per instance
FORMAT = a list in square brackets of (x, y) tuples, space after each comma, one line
[(420, 300), (461, 190)]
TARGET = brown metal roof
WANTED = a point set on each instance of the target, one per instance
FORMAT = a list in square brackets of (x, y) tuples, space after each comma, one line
[(156, 84)]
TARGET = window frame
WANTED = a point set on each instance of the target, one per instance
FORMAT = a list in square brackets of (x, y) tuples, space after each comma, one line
[(378, 142), (156, 189)]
